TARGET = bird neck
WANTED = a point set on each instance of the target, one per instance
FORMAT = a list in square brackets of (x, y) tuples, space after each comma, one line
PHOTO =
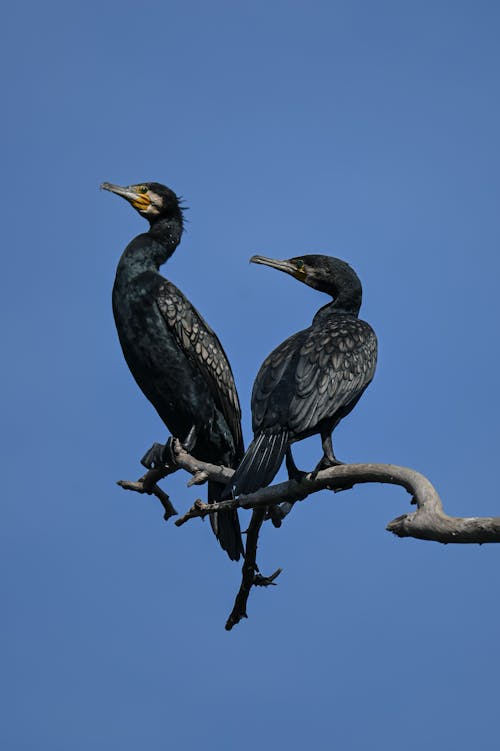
[(337, 307), (341, 282), (347, 293), (347, 301), (167, 232), (150, 250)]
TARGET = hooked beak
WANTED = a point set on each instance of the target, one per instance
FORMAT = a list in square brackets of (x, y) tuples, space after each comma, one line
[(274, 263), (287, 266), (139, 201)]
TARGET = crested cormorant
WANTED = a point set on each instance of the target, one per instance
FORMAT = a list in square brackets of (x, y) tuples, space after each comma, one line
[(175, 357), (313, 379)]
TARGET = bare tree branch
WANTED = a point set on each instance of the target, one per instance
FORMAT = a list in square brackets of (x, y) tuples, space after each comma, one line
[(147, 484), (428, 522)]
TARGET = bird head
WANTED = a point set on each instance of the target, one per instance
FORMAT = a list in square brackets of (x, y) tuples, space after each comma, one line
[(153, 201), (324, 273)]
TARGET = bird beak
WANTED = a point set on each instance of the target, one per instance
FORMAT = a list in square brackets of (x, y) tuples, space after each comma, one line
[(274, 263), (139, 201)]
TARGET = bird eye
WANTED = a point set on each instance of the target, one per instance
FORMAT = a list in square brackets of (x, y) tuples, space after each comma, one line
[(299, 264), (143, 189)]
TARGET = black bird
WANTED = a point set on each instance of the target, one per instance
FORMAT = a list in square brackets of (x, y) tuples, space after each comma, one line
[(313, 379), (175, 357)]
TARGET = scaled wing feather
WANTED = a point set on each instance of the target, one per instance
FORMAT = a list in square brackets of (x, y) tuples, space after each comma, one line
[(205, 351)]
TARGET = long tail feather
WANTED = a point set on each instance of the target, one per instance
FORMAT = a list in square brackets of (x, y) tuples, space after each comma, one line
[(259, 465), (225, 524)]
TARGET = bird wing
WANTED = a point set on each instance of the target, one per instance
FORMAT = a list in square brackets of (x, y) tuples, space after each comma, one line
[(205, 352), (273, 385), (335, 365)]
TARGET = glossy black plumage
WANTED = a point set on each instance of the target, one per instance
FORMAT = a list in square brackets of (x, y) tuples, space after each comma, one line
[(174, 356), (313, 379)]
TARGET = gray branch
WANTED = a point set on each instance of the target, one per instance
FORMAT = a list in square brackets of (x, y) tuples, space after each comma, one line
[(428, 522), (147, 484)]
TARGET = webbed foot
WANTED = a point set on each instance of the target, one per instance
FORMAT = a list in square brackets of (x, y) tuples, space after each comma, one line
[(325, 463), (159, 456)]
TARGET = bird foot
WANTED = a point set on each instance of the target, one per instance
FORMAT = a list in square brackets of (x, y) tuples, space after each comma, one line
[(325, 463), (275, 515), (159, 456), (265, 581)]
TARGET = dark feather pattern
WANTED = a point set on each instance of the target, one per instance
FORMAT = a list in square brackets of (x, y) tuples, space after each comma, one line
[(173, 354), (322, 370), (260, 463), (314, 378), (204, 350)]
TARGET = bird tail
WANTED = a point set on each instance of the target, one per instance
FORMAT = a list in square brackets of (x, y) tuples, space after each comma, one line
[(259, 465), (225, 524)]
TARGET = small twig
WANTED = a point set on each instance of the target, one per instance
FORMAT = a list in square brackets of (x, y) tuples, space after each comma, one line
[(146, 484), (201, 509), (198, 479), (195, 466), (182, 460)]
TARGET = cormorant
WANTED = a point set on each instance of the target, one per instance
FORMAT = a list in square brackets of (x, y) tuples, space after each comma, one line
[(175, 357), (313, 379)]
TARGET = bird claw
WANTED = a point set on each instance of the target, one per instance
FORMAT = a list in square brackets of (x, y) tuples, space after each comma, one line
[(275, 515), (266, 581), (324, 463), (159, 456)]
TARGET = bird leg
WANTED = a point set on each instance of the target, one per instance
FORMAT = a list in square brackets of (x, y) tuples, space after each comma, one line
[(277, 513), (294, 473), (189, 442), (328, 459)]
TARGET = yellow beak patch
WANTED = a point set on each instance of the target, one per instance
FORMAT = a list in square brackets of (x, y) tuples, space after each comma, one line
[(141, 202)]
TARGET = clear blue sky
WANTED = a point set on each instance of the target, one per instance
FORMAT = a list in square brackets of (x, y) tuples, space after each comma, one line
[(369, 131)]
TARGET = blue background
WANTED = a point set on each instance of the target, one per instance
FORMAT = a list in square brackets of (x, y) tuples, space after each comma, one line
[(365, 130)]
